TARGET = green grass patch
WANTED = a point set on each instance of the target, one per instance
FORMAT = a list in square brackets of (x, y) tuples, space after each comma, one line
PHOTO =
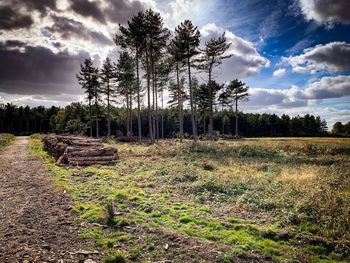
[(6, 139)]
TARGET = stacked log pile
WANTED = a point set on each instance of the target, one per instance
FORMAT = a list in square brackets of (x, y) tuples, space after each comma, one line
[(79, 151)]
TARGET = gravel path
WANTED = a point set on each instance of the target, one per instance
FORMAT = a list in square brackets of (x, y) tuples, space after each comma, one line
[(36, 221)]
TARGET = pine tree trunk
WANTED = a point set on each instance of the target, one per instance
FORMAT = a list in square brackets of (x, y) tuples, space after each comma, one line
[(211, 128), (222, 120), (108, 112), (204, 125), (236, 117), (127, 111), (96, 118), (138, 98), (193, 118), (90, 117), (156, 96), (153, 100), (149, 98), (162, 115), (130, 118), (179, 94)]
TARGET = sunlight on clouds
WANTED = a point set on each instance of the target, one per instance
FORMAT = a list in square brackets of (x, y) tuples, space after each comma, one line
[(279, 72)]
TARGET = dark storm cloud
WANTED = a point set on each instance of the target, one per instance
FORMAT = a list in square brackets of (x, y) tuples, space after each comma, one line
[(326, 11), (37, 70), (17, 14), (335, 54), (11, 18), (88, 9), (14, 43), (332, 57), (120, 11), (43, 6), (117, 11), (69, 28)]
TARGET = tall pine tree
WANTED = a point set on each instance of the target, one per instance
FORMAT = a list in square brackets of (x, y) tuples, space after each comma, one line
[(108, 73), (87, 78), (188, 38), (133, 38), (126, 85), (235, 91), (213, 54)]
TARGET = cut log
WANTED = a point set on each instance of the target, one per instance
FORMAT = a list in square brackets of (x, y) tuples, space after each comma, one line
[(95, 158), (90, 153), (87, 163), (73, 150)]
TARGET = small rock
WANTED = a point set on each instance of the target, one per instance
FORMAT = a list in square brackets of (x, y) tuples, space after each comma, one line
[(46, 246), (166, 246), (89, 261)]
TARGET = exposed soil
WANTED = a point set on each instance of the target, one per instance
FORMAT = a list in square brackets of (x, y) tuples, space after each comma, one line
[(36, 220)]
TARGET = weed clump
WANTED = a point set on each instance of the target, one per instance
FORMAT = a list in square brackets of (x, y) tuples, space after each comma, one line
[(118, 257), (185, 219)]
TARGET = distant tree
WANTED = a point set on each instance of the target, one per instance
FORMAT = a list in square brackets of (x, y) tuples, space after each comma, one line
[(10, 110), (88, 79), (339, 128), (321, 125), (97, 98), (201, 99), (108, 73), (285, 125), (213, 54), (234, 92), (75, 126), (188, 40), (177, 96)]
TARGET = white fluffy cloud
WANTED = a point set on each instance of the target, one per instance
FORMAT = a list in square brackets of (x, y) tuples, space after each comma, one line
[(326, 11), (332, 57), (245, 60), (279, 72), (329, 87), (294, 97)]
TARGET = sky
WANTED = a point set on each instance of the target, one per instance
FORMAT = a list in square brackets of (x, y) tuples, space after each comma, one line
[(293, 54)]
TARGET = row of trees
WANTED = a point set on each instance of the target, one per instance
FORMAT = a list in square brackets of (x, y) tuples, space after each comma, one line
[(25, 120), (153, 62), (74, 118)]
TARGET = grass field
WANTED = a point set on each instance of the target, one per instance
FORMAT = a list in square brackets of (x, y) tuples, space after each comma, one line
[(255, 200), (5, 139)]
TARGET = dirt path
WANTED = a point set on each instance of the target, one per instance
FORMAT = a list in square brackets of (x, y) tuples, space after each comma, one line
[(36, 221)]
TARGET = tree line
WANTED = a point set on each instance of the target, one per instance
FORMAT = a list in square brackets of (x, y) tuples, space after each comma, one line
[(151, 62), (75, 117)]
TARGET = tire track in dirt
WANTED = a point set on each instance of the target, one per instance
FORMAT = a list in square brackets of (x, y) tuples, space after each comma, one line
[(36, 221)]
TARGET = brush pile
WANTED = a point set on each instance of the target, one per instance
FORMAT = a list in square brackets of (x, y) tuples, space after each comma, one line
[(79, 151)]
